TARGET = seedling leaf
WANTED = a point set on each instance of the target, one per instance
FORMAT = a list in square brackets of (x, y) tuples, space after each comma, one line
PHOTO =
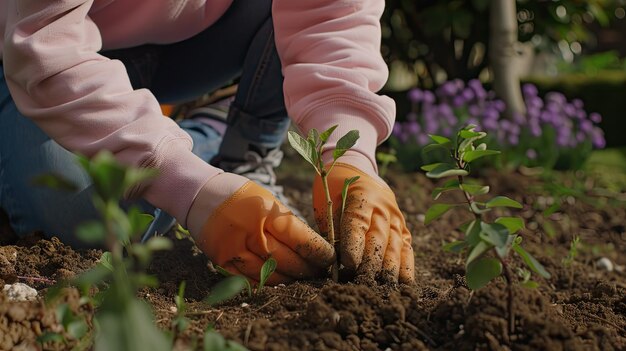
[(432, 147), (471, 155), (344, 191), (440, 139), (446, 170), (54, 181), (531, 262), (213, 341), (345, 143), (481, 272), (226, 289), (302, 146), (91, 232), (455, 246), (495, 234), (452, 184), (327, 133), (430, 167), (472, 233), (266, 271), (436, 211), (474, 189), (513, 224), (503, 201), (478, 250)]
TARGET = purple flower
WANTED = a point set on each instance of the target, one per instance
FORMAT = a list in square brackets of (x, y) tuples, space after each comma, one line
[(474, 110), (595, 117), (413, 128), (513, 139), (411, 116), (397, 129), (467, 94), (423, 139), (529, 90), (458, 101), (578, 103), (499, 105), (534, 102), (535, 129), (580, 137), (586, 126), (531, 154), (448, 88), (428, 97), (491, 113), (490, 124), (415, 95), (597, 138), (556, 97), (570, 110)]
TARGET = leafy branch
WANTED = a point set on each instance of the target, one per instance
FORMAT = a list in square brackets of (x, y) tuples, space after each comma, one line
[(488, 245)]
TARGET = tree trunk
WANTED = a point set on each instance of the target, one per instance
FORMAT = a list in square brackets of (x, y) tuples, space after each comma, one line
[(504, 57)]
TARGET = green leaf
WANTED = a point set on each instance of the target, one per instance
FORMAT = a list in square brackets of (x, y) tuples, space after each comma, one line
[(450, 185), (436, 211), (345, 143), (266, 271), (91, 232), (531, 262), (138, 221), (432, 147), (313, 137), (226, 289), (471, 155), (344, 191), (503, 251), (54, 181), (159, 243), (474, 207), (531, 284), (466, 134), (446, 170), (474, 189), (455, 246), (548, 227), (481, 272), (126, 323), (440, 139), (327, 133), (503, 201), (213, 341), (222, 271), (495, 234), (477, 251), (106, 260), (50, 337), (136, 176), (513, 224), (430, 167), (302, 146), (77, 329), (386, 158), (472, 232)]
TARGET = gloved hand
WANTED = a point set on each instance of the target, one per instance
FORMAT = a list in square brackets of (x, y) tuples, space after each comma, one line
[(373, 238), (250, 226)]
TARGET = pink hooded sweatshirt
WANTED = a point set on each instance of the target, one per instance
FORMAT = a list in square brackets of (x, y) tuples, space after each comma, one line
[(329, 51)]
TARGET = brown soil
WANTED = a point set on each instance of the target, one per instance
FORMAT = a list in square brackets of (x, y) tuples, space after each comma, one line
[(579, 308)]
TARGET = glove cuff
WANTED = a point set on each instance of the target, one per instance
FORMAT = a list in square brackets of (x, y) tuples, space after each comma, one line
[(214, 193)]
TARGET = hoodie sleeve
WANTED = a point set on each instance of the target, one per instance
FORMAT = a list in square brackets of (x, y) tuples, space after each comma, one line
[(86, 103), (330, 53)]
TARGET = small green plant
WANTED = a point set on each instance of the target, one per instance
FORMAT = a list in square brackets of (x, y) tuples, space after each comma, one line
[(488, 245), (268, 268), (122, 321), (385, 160), (311, 150), (571, 257)]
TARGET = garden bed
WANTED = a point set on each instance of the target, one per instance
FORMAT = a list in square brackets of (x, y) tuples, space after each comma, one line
[(581, 307)]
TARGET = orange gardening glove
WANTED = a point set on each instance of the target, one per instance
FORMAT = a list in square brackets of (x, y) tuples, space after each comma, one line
[(373, 238), (251, 226)]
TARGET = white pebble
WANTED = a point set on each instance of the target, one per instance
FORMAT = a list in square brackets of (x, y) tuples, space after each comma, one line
[(20, 292), (605, 263), (244, 305), (173, 309), (421, 217)]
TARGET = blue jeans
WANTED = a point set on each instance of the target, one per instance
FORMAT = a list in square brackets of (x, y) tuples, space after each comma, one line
[(238, 46)]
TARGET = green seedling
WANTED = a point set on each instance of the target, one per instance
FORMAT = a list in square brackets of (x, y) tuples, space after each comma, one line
[(571, 257), (122, 321), (268, 268), (488, 245), (310, 148), (180, 322), (385, 160)]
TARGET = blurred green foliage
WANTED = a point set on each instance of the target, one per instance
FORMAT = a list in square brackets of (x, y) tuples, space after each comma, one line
[(431, 35)]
